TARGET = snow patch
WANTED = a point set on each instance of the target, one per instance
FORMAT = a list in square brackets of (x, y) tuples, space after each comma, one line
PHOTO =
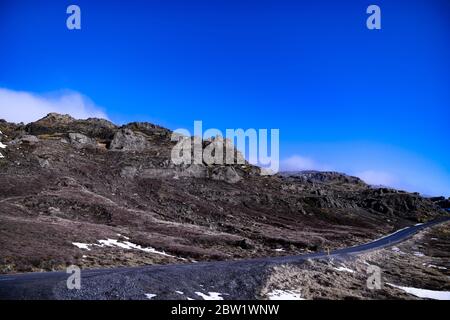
[(122, 244), (179, 292), (284, 295), (150, 296), (121, 235), (149, 249), (81, 245), (436, 267), (419, 254), (2, 146), (344, 269), (210, 295), (114, 243), (424, 293)]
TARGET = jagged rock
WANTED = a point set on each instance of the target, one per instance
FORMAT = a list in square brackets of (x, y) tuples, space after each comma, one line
[(55, 123), (95, 128), (26, 139), (226, 173), (445, 203), (151, 130), (55, 118), (81, 141), (51, 123), (194, 171), (324, 177), (128, 140)]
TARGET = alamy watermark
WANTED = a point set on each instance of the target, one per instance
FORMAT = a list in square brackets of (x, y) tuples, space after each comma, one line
[(210, 147), (373, 22), (73, 21), (2, 146), (374, 280), (74, 280)]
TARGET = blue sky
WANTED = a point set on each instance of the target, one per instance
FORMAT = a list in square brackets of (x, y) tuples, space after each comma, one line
[(374, 103)]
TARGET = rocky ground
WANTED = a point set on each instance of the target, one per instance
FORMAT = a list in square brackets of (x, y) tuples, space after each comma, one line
[(422, 262), (90, 193)]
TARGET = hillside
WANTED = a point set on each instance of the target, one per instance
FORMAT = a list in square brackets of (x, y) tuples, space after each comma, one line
[(90, 193)]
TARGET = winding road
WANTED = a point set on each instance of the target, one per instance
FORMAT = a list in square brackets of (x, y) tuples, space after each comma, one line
[(232, 279)]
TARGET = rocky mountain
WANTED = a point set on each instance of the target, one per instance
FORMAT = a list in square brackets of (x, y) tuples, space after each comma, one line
[(90, 193)]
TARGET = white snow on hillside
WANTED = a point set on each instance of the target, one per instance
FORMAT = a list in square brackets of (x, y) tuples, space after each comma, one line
[(284, 295), (210, 295), (127, 245), (424, 293), (344, 269)]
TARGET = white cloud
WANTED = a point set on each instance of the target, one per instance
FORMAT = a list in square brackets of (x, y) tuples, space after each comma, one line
[(299, 163), (21, 106), (377, 178)]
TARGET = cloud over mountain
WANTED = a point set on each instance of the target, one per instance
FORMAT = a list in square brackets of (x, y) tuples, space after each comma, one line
[(22, 106)]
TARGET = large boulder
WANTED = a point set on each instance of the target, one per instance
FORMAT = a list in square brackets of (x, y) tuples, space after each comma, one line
[(25, 139), (225, 173), (128, 140), (81, 141)]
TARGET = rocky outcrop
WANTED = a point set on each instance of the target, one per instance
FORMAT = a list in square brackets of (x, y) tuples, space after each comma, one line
[(225, 173), (441, 202), (81, 141), (26, 139), (152, 131), (324, 177), (55, 123), (128, 140)]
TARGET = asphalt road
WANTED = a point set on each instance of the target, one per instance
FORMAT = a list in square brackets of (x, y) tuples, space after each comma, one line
[(232, 279)]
